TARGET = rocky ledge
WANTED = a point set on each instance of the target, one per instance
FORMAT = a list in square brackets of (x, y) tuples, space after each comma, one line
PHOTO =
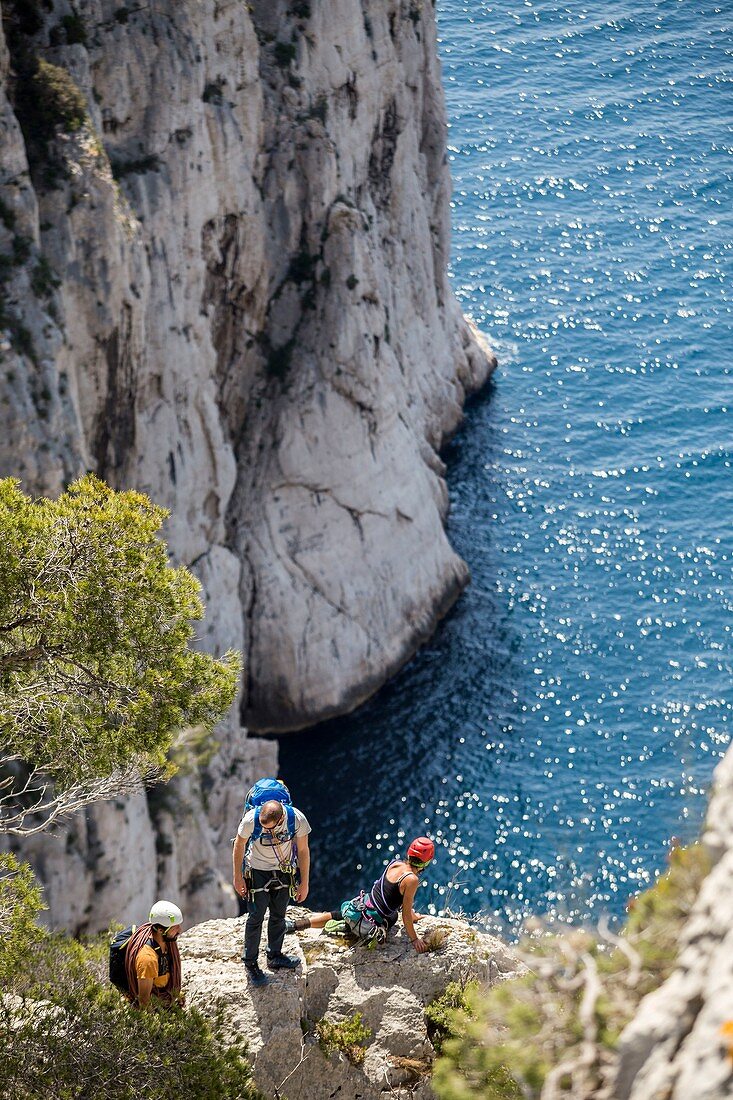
[(389, 986)]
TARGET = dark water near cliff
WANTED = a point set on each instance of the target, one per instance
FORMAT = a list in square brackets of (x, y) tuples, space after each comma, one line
[(566, 720)]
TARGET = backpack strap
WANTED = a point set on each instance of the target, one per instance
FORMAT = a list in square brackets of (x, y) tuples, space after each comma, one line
[(288, 860)]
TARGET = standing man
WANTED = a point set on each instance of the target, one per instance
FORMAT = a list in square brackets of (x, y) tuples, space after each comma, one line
[(271, 863)]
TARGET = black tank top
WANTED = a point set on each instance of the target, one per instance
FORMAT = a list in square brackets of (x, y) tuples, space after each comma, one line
[(386, 894)]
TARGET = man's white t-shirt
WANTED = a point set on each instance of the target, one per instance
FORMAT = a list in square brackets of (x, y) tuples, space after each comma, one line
[(263, 855)]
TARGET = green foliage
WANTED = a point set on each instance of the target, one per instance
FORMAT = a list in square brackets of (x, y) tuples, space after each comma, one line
[(20, 903), (21, 340), (44, 96), (582, 992), (95, 666), (64, 1034), (21, 249), (75, 30), (59, 102), (44, 280), (347, 1036), (656, 916), (440, 1012)]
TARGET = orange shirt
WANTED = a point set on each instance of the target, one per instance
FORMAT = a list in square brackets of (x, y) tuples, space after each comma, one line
[(146, 966)]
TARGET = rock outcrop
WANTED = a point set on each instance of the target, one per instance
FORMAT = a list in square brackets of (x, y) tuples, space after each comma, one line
[(389, 986), (676, 1047), (252, 321), (224, 231)]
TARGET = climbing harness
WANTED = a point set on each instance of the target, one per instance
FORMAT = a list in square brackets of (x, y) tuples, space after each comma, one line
[(273, 883)]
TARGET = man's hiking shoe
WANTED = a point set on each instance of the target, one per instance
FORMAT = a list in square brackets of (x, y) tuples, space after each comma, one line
[(282, 962), (336, 928), (256, 974)]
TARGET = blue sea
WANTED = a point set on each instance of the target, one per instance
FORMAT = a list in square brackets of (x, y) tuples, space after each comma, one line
[(566, 719)]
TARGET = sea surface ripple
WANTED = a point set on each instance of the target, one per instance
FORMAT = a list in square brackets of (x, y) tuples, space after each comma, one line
[(566, 720)]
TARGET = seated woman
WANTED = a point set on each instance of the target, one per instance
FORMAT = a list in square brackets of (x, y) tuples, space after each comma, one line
[(370, 916)]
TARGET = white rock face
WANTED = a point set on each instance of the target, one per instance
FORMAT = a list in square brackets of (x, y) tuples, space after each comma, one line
[(674, 1048), (390, 987), (228, 289)]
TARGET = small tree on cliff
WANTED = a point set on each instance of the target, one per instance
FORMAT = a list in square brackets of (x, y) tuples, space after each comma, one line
[(96, 673)]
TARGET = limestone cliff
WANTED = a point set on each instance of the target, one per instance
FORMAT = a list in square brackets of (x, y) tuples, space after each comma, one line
[(224, 230)]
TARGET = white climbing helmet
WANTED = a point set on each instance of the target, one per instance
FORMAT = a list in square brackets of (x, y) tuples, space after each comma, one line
[(165, 913)]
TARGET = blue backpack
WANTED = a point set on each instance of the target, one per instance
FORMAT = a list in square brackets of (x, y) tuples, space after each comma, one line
[(270, 790)]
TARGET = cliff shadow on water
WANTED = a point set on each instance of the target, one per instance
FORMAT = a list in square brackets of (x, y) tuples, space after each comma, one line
[(423, 755)]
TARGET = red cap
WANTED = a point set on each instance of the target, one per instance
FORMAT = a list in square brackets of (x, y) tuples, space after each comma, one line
[(422, 849)]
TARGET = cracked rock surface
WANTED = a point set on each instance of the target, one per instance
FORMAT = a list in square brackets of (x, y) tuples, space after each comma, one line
[(390, 986), (674, 1048), (226, 286)]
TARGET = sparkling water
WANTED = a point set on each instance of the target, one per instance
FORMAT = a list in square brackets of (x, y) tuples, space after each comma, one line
[(565, 721)]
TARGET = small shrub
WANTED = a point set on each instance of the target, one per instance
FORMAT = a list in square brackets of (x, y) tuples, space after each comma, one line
[(440, 1013), (21, 249), (59, 102), (435, 938), (346, 1036), (21, 339), (44, 280), (74, 29), (122, 15), (284, 54), (20, 903), (415, 1068), (302, 9), (351, 282)]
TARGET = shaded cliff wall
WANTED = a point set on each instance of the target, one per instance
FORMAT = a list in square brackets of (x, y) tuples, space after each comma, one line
[(225, 284)]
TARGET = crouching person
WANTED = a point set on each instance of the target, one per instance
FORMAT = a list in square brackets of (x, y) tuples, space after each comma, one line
[(371, 915), (144, 961)]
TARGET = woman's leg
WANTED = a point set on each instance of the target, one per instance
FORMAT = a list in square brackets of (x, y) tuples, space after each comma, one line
[(315, 920)]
